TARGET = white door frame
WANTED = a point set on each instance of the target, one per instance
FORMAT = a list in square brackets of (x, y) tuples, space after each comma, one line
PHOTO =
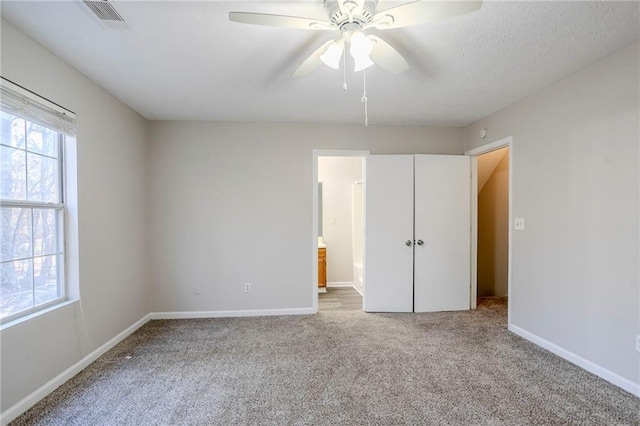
[(314, 221), (474, 153)]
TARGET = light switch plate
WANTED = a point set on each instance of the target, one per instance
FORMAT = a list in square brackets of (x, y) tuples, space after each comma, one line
[(638, 342), (519, 223)]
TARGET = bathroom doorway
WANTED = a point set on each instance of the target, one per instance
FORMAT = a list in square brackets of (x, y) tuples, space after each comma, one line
[(339, 228)]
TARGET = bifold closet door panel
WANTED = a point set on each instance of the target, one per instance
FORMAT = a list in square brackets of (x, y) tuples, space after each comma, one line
[(443, 223), (388, 279)]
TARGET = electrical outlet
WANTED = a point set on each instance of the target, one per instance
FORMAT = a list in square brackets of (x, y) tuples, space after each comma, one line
[(638, 342), (519, 223), (196, 289), (247, 287)]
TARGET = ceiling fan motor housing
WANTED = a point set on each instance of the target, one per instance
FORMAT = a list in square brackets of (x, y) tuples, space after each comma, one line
[(339, 18)]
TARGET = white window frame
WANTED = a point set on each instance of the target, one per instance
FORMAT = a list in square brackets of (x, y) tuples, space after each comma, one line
[(32, 100)]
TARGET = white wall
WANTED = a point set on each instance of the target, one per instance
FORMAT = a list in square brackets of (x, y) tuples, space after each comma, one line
[(112, 158), (232, 203), (575, 181), (337, 175), (358, 225)]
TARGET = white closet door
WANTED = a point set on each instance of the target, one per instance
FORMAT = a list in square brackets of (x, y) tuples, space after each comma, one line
[(388, 279), (442, 222)]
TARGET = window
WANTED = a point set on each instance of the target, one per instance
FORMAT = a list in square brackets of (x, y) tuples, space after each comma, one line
[(32, 255)]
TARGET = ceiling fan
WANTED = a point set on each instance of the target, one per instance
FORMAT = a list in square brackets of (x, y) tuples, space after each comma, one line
[(351, 18)]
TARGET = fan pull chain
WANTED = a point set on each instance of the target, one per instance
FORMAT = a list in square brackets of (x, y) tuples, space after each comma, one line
[(364, 99), (344, 71)]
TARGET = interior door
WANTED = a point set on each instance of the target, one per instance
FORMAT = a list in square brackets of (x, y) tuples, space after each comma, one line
[(388, 279), (443, 224)]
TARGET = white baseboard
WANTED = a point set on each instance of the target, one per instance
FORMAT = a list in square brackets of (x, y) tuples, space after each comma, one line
[(344, 285), (609, 376), (340, 284), (30, 400), (226, 314)]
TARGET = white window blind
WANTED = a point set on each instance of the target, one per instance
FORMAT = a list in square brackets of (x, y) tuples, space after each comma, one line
[(23, 103)]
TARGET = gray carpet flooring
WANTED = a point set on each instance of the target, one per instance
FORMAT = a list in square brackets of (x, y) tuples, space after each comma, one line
[(339, 367)]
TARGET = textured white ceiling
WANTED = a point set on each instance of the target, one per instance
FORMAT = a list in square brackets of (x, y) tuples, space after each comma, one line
[(185, 60)]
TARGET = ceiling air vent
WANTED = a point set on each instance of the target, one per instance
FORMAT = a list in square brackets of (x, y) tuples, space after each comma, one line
[(108, 16)]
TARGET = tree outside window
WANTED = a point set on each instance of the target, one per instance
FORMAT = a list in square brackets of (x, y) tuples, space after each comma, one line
[(31, 213)]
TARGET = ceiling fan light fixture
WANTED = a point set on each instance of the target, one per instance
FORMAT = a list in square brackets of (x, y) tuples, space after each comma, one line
[(361, 48), (362, 63), (331, 57), (350, 18)]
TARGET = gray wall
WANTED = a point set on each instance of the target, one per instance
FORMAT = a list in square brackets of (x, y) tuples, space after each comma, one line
[(493, 232), (113, 281), (575, 181), (232, 203)]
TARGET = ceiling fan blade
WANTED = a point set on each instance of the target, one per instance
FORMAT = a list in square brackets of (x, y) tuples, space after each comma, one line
[(387, 57), (312, 62), (280, 21), (420, 12)]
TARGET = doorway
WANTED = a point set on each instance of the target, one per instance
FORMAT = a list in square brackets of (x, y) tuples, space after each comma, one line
[(338, 226), (491, 218)]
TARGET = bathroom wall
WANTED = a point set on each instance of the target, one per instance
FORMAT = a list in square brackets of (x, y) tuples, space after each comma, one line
[(338, 174), (358, 222)]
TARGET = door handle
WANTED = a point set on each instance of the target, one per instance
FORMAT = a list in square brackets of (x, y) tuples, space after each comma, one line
[(408, 243), (420, 242)]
